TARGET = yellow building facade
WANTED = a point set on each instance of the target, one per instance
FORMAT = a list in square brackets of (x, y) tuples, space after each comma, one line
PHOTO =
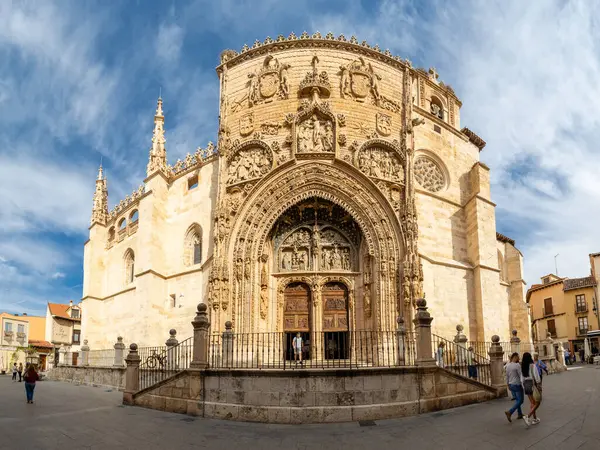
[(342, 188), (565, 309)]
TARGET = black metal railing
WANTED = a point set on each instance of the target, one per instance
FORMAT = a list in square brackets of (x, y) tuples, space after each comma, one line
[(579, 308), (457, 358), (316, 350), (159, 363)]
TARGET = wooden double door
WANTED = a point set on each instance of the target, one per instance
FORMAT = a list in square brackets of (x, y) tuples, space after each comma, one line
[(332, 334)]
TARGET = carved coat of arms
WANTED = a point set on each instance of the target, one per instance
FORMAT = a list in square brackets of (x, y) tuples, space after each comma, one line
[(271, 79), (358, 79), (247, 124), (383, 124)]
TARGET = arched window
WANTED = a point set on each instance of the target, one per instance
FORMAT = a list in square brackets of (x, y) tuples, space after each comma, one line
[(501, 266), (192, 253), (129, 266), (122, 224), (111, 234), (437, 108), (133, 217)]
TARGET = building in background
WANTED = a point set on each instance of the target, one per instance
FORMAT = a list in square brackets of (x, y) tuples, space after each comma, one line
[(63, 329), (564, 308), (21, 332)]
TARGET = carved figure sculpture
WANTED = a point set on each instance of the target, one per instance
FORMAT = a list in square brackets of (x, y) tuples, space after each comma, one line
[(315, 135), (249, 164), (378, 162)]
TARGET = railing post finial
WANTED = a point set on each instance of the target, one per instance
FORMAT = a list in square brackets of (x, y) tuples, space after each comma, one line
[(422, 323), (201, 326), (132, 379)]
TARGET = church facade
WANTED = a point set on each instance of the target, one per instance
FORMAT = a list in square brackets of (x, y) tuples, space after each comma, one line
[(342, 188)]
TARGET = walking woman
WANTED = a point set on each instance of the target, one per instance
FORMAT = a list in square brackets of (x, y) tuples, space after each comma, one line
[(31, 376), (513, 380), (531, 381)]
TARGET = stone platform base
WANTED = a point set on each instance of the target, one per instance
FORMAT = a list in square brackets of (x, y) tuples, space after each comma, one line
[(313, 396), (113, 377)]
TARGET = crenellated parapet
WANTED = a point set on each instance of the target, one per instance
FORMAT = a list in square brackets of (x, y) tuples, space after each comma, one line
[(192, 161)]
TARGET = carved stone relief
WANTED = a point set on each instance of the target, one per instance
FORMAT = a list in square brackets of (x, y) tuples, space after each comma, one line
[(247, 124), (383, 124), (315, 135), (271, 79), (428, 174), (381, 163), (248, 164)]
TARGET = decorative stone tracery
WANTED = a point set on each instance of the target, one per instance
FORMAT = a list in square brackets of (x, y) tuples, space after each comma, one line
[(429, 174)]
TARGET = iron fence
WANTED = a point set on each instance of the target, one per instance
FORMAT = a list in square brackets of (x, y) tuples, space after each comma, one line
[(159, 363), (509, 348), (457, 358), (316, 350)]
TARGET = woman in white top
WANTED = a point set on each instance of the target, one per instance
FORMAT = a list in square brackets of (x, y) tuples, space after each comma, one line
[(531, 377)]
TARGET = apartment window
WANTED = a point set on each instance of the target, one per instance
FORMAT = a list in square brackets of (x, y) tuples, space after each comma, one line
[(76, 334), (552, 328), (75, 313), (7, 326), (548, 306), (583, 324), (20, 328), (580, 303)]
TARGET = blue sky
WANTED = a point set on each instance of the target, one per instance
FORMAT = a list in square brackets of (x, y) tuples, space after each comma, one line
[(79, 81)]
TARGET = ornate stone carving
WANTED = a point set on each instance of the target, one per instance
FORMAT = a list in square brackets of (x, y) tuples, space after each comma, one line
[(314, 82), (271, 79), (126, 202), (428, 174), (358, 80), (381, 163), (264, 284), (249, 163), (270, 128), (342, 139), (247, 124), (383, 124), (315, 135)]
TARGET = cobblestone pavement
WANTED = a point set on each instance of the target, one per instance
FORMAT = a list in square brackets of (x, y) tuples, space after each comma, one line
[(66, 416)]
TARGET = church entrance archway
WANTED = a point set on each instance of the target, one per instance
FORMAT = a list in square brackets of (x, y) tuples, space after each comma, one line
[(297, 318)]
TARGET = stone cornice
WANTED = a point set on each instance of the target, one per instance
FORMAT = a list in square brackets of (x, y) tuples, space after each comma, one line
[(198, 166), (122, 291), (232, 58), (447, 262), (438, 197), (477, 196)]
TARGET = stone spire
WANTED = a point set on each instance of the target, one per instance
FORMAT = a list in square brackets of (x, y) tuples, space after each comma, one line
[(100, 208), (158, 154)]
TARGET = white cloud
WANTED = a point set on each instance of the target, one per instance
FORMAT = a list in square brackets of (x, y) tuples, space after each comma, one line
[(58, 275), (169, 42)]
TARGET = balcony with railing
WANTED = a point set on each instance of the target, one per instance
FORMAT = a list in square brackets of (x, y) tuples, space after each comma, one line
[(581, 308), (9, 334)]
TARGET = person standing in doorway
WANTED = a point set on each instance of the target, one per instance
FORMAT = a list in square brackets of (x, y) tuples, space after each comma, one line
[(513, 380), (20, 372), (14, 372), (582, 354), (31, 376), (439, 355), (531, 379), (297, 345)]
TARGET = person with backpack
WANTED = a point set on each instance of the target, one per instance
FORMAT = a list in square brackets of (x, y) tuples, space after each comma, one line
[(31, 376)]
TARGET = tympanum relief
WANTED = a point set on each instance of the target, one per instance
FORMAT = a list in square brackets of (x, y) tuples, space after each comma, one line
[(249, 164), (381, 163)]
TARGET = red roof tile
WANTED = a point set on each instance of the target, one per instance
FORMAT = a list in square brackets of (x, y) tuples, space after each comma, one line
[(41, 344), (60, 310)]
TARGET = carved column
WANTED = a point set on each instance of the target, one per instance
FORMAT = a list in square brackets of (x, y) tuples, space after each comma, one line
[(515, 343), (401, 342), (496, 354), (227, 346), (318, 343), (422, 322), (171, 344), (460, 342), (132, 375), (201, 325), (119, 349), (85, 353)]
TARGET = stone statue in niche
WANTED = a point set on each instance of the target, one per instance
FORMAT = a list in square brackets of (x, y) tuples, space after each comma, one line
[(249, 164), (315, 135), (436, 110), (381, 163)]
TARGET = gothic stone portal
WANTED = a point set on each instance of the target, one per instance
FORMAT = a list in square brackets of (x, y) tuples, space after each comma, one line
[(316, 244)]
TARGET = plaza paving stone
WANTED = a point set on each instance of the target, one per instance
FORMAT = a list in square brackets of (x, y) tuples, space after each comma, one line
[(67, 416)]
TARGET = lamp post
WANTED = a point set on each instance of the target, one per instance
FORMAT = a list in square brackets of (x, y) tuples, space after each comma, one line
[(555, 264)]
